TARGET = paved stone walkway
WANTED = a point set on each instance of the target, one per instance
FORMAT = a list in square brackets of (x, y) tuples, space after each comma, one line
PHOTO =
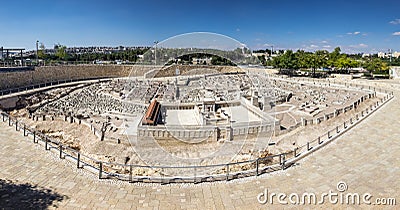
[(366, 158)]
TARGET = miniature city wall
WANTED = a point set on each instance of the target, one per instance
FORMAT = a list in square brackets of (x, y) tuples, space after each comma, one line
[(23, 79), (47, 74)]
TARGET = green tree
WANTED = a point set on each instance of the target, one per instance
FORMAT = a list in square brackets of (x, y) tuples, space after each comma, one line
[(343, 63), (303, 59), (287, 62), (354, 63), (42, 51), (61, 52), (322, 57), (334, 56), (376, 65)]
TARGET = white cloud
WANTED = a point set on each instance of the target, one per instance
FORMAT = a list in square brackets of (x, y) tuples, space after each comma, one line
[(396, 33), (238, 29), (313, 46), (395, 22), (353, 33), (324, 42), (327, 46), (362, 45)]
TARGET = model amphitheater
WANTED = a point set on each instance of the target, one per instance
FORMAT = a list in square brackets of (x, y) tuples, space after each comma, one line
[(136, 119)]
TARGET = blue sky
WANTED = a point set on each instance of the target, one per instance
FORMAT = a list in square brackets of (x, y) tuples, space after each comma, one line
[(355, 26)]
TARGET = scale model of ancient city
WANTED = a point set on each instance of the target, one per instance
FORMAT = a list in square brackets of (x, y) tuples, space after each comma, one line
[(178, 123)]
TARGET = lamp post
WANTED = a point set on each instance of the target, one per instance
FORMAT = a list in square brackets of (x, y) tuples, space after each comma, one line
[(37, 52), (155, 53), (272, 50)]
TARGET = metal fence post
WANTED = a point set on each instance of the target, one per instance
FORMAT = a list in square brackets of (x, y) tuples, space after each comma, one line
[(195, 175), (34, 137), (257, 165), (130, 173), (16, 125), (9, 121), (308, 146), (337, 129), (100, 169), (283, 162), (24, 130), (61, 149), (227, 172), (78, 160), (45, 144), (162, 175)]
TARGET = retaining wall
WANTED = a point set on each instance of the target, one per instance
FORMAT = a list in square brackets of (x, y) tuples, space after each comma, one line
[(47, 74)]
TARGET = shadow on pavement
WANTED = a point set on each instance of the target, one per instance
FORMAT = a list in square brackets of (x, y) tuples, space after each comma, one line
[(26, 196)]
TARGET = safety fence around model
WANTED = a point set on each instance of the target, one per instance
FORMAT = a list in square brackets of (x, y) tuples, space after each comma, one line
[(192, 173)]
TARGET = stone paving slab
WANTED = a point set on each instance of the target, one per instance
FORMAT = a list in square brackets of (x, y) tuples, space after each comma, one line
[(367, 159)]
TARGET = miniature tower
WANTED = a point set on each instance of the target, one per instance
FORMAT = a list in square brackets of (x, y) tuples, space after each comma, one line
[(254, 98)]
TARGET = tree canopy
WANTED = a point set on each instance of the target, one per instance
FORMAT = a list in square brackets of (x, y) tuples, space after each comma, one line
[(61, 52), (287, 61)]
